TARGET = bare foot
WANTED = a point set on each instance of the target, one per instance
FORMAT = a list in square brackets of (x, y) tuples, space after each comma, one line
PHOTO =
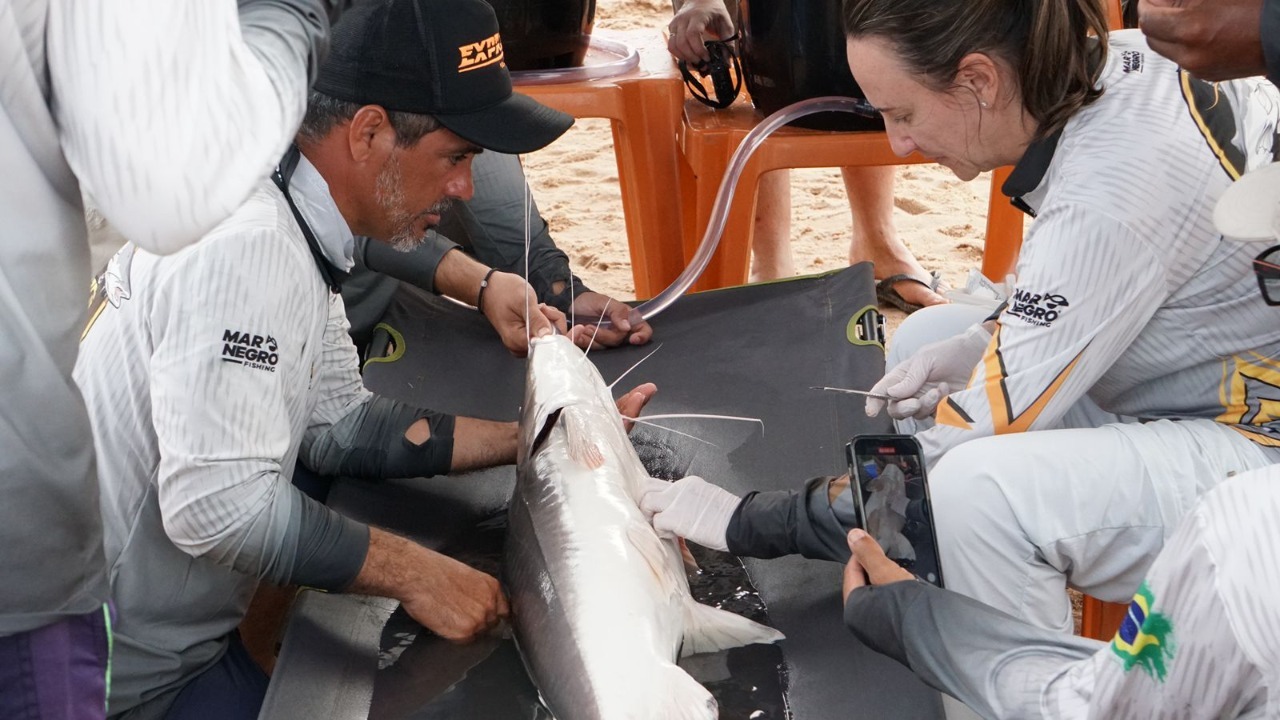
[(891, 258)]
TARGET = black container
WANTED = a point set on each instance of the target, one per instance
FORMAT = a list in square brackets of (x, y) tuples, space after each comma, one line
[(794, 50), (544, 34)]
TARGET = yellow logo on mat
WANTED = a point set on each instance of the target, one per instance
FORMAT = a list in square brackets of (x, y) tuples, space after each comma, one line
[(480, 54)]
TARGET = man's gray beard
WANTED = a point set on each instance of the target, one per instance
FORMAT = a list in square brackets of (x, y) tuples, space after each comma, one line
[(389, 193)]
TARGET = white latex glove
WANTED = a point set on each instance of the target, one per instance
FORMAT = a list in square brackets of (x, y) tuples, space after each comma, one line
[(691, 508), (916, 385)]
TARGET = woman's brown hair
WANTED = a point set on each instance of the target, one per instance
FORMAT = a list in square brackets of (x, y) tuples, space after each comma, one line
[(1046, 42)]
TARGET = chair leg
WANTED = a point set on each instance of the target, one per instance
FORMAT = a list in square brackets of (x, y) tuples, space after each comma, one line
[(1100, 620), (1004, 231)]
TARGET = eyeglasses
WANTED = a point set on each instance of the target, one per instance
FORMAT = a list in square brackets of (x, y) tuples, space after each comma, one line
[(1267, 268)]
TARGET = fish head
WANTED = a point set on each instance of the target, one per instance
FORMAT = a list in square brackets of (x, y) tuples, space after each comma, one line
[(559, 376)]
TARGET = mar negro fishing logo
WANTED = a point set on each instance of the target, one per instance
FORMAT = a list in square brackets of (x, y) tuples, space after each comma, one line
[(1036, 308), (257, 352)]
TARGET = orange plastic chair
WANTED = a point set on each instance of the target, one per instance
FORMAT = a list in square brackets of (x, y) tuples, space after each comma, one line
[(707, 141), (644, 106), (1100, 620)]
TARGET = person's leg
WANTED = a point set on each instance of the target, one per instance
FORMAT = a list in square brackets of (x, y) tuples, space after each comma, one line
[(870, 191), (771, 239), (1021, 517), (232, 689), (57, 672)]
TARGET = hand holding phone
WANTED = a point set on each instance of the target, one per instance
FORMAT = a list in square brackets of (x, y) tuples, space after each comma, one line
[(891, 501)]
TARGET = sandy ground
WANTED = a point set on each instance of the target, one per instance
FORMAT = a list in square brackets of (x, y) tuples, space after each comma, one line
[(575, 182)]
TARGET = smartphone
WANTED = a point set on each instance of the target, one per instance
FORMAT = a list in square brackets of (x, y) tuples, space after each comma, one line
[(891, 501)]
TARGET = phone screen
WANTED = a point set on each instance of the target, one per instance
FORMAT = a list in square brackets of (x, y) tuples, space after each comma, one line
[(892, 501)]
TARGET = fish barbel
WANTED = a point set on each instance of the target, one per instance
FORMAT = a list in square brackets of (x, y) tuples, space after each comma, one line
[(600, 604)]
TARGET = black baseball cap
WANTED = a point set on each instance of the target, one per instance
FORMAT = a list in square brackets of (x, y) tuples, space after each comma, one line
[(436, 57)]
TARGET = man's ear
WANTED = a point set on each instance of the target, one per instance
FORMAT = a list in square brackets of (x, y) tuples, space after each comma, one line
[(370, 136), (979, 77)]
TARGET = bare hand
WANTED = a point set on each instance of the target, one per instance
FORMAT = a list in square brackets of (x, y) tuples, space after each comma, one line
[(632, 403), (455, 601), (869, 561), (1212, 39), (691, 25), (627, 325), (505, 303)]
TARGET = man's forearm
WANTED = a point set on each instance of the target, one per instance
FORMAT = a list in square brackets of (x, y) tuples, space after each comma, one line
[(483, 443), (459, 276)]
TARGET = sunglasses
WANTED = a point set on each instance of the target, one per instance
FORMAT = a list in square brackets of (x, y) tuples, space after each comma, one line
[(1267, 269)]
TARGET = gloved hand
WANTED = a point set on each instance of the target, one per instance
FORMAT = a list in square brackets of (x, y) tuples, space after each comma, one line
[(691, 508), (916, 385)]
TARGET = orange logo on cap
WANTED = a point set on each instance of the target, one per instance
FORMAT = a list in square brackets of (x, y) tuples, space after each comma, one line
[(480, 54)]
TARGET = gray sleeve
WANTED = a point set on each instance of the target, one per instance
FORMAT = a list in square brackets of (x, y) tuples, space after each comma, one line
[(330, 548), (277, 30), (1271, 39), (416, 267), (492, 227), (787, 522), (996, 664), (368, 443)]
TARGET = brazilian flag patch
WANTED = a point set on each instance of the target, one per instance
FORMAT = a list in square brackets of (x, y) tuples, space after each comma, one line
[(1145, 638)]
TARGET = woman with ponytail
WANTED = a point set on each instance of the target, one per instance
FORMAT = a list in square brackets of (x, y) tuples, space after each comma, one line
[(1133, 367)]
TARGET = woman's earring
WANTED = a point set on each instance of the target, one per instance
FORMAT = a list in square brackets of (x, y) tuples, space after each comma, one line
[(983, 103)]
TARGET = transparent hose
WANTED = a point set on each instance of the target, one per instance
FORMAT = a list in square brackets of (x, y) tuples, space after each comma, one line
[(605, 59), (720, 213)]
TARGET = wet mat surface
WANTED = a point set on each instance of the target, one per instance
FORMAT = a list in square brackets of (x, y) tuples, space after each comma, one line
[(753, 351), (421, 677)]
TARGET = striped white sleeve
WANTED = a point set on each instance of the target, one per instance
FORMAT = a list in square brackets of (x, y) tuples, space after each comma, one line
[(1087, 286), (1202, 630), (339, 388), (171, 112), (228, 327)]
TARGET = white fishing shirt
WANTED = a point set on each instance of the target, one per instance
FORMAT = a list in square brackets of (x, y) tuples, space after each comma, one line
[(203, 372), (1125, 291), (168, 113), (1202, 638)]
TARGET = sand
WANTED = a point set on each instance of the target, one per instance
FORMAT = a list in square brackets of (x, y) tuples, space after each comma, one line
[(575, 182)]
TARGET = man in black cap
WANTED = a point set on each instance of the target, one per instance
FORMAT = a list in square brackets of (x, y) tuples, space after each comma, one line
[(207, 372)]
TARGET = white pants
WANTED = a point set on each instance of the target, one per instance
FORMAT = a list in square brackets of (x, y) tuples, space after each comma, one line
[(1021, 517)]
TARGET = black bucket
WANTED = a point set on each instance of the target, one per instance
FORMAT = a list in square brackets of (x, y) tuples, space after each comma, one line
[(544, 34), (793, 50)]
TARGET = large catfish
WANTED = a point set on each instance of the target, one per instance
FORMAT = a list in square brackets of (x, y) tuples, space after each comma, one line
[(601, 604)]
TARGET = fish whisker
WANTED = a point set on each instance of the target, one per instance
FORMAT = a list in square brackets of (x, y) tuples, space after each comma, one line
[(643, 421), (633, 367), (707, 417), (599, 321)]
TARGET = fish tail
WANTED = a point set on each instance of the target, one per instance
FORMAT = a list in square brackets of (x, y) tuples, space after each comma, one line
[(708, 629)]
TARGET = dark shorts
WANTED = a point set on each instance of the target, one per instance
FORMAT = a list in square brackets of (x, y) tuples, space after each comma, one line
[(57, 672), (232, 689)]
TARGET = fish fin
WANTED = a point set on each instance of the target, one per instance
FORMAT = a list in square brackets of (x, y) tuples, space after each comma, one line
[(684, 698), (654, 550), (708, 629), (690, 562), (582, 447)]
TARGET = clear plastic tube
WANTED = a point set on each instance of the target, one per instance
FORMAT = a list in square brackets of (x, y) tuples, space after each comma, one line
[(605, 59), (720, 212)]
